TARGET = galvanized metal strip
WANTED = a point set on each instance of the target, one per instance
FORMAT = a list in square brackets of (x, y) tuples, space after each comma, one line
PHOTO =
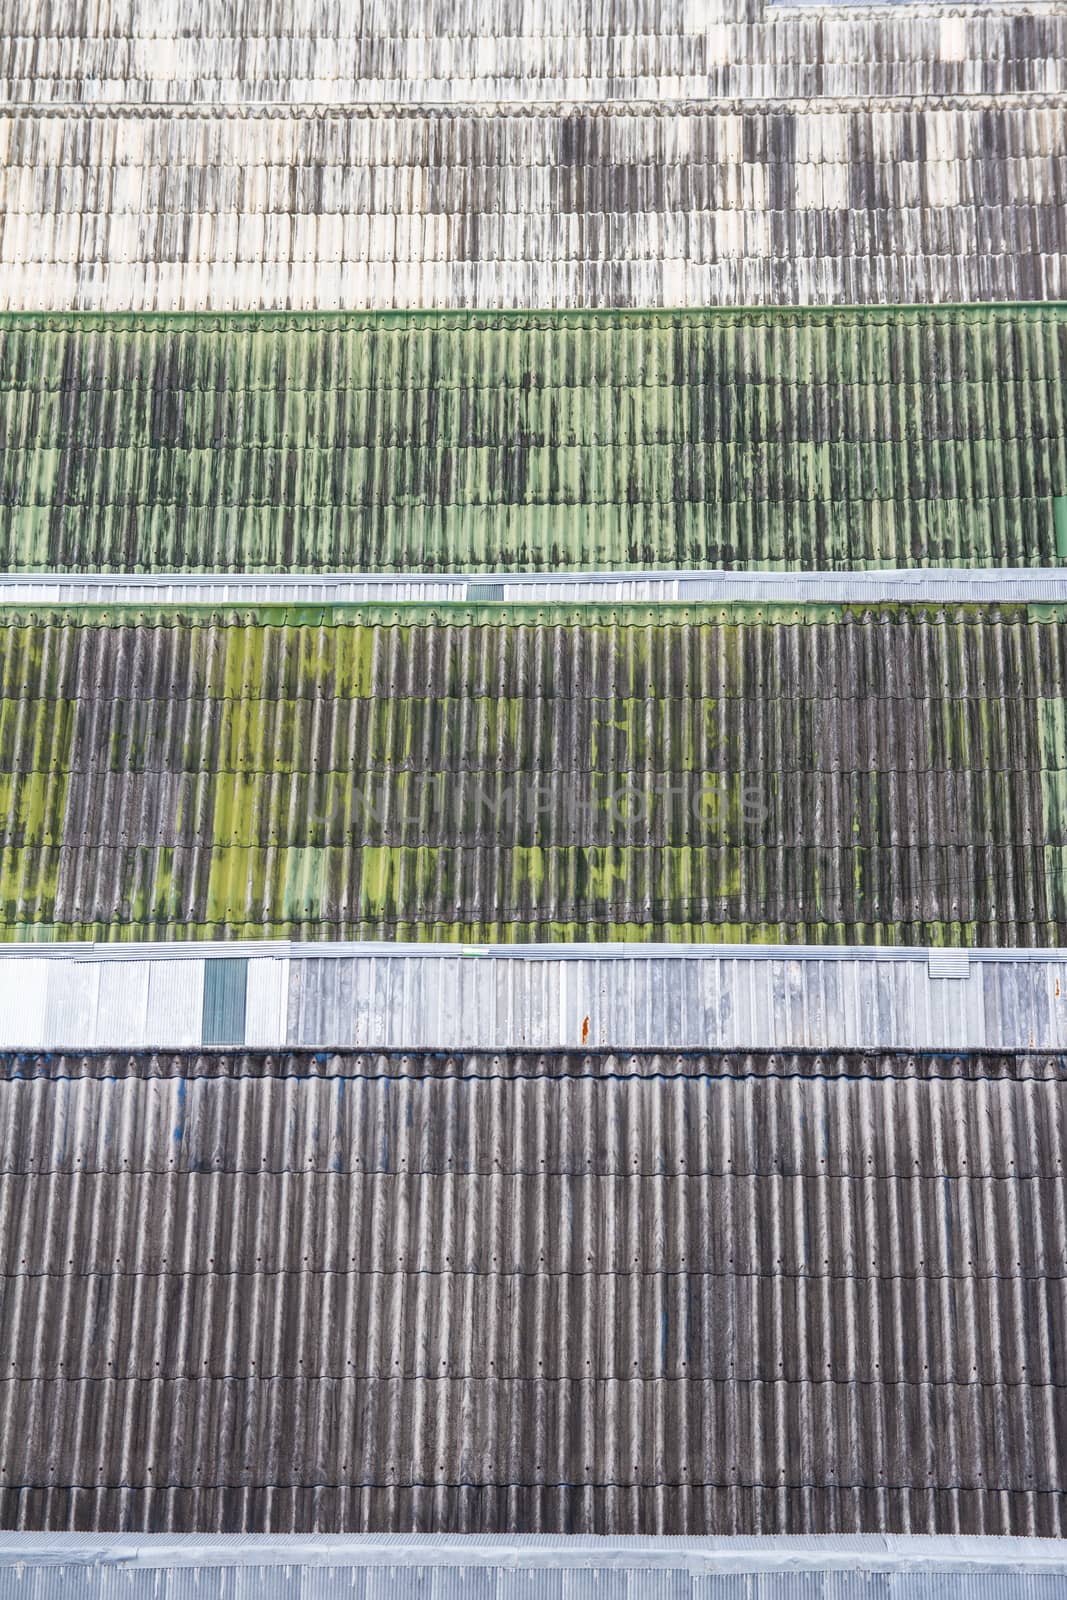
[(382, 1582), (973, 1554), (408, 998), (1004, 585)]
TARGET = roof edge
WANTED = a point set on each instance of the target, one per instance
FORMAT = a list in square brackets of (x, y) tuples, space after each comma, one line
[(381, 949)]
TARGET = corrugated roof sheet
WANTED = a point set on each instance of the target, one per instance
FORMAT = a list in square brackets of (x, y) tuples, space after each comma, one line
[(592, 1302), (733, 203), (330, 51), (443, 443), (878, 775)]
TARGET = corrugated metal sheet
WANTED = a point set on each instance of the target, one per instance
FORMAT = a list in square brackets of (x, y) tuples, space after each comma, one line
[(733, 203), (59, 1581), (225, 1000), (72, 1002), (441, 443), (882, 775), (769, 999), (594, 1302), (267, 1001), (723, 1003), (533, 1567), (319, 52), (504, 1583)]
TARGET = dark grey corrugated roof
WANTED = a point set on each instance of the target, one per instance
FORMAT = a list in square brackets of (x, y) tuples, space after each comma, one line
[(587, 1302)]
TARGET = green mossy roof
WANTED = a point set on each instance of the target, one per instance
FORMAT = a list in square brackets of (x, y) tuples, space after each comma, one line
[(446, 442), (892, 776)]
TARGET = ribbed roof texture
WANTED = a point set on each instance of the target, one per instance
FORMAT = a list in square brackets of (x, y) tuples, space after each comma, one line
[(587, 1301), (601, 1292), (458, 442), (329, 51), (729, 203), (893, 774)]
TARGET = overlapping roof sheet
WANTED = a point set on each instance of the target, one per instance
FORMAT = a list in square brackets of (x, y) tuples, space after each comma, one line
[(458, 442), (733, 203), (586, 1302), (325, 52), (834, 774)]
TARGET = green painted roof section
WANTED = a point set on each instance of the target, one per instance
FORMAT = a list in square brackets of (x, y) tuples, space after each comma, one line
[(897, 776), (446, 442)]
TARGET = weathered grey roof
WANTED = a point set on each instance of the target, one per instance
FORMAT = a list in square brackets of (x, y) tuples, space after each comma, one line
[(330, 51), (529, 1567), (590, 1300), (728, 203), (569, 997)]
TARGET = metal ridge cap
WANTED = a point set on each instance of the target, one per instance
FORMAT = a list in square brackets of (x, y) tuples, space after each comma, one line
[(812, 1554), (383, 949), (1007, 584), (145, 950)]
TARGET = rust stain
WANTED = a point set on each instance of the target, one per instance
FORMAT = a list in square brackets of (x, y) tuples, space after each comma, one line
[(585, 1030), (1057, 988)]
